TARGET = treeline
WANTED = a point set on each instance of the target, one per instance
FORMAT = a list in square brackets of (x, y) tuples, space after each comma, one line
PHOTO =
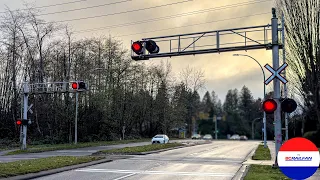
[(238, 110), (145, 99)]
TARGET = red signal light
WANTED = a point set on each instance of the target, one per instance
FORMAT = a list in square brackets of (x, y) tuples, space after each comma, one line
[(74, 85), (269, 106), (137, 47), (18, 122)]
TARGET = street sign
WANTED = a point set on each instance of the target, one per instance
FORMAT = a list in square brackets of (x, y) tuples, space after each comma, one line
[(276, 73), (219, 118)]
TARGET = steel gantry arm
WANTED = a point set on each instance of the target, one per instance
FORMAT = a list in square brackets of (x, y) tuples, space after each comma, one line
[(247, 43)]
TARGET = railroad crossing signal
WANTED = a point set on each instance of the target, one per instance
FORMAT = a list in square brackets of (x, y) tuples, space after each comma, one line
[(276, 73), (269, 106), (139, 47), (79, 85), (287, 105), (18, 122), (23, 122)]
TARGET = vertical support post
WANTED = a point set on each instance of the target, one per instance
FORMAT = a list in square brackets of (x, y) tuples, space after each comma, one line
[(25, 114), (76, 121), (216, 128), (245, 38), (194, 44), (276, 84), (21, 115), (252, 130), (284, 74), (218, 41), (179, 44), (264, 115)]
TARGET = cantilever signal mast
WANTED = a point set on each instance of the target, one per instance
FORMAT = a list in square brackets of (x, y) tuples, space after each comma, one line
[(173, 46)]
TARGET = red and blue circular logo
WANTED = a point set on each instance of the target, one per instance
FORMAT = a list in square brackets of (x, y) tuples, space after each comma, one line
[(298, 158)]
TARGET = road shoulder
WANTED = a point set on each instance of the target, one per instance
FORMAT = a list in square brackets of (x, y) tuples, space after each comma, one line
[(243, 170)]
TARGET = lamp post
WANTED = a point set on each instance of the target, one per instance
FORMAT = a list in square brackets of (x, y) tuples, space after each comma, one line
[(264, 94), (253, 126)]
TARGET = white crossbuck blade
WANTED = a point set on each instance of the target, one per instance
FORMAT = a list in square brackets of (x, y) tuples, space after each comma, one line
[(276, 73)]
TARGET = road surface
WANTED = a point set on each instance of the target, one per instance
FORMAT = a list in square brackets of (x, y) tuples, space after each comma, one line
[(75, 152), (219, 160)]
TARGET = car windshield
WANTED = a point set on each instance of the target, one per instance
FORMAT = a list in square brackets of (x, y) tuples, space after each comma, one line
[(158, 137)]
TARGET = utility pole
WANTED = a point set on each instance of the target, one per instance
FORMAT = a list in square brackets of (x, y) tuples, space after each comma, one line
[(276, 84), (25, 114), (215, 119), (284, 74), (76, 121)]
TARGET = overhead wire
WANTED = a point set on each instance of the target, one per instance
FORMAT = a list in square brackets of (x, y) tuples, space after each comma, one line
[(85, 8), (172, 16), (122, 12), (52, 5), (193, 24)]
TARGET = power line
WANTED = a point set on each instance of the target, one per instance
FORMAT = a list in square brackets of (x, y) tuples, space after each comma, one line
[(172, 16), (52, 5), (195, 24), (84, 8), (123, 12)]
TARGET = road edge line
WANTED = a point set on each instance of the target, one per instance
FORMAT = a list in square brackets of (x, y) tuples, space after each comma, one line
[(242, 173), (55, 171)]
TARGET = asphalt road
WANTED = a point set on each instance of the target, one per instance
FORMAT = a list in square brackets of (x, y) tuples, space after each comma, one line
[(219, 160), (74, 152)]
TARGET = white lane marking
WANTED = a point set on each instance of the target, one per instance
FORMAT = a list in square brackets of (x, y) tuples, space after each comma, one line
[(79, 151), (122, 177), (132, 172), (195, 160)]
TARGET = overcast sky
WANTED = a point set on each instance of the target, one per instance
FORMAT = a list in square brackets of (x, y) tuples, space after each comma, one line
[(222, 71)]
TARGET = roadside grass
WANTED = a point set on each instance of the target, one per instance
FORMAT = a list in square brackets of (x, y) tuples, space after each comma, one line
[(267, 172), (262, 153), (36, 165), (138, 149), (54, 147)]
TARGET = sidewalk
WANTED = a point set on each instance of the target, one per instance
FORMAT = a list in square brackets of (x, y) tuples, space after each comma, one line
[(271, 146)]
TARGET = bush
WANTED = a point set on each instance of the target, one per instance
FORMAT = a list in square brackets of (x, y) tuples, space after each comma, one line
[(313, 136)]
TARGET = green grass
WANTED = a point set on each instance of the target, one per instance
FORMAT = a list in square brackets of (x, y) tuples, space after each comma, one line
[(138, 149), (44, 147), (262, 153), (36, 165), (264, 172)]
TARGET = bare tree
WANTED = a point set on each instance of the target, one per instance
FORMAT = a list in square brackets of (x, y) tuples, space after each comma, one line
[(303, 49), (192, 78)]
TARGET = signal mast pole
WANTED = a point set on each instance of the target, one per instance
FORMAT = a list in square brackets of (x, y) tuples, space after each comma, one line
[(25, 114), (276, 84)]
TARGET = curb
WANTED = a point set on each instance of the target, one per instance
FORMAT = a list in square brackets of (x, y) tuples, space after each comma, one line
[(156, 151), (151, 152), (243, 170), (55, 171)]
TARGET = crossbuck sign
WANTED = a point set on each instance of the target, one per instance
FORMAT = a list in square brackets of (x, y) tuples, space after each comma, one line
[(276, 73)]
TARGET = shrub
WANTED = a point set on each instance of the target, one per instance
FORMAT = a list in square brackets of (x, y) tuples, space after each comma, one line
[(313, 136)]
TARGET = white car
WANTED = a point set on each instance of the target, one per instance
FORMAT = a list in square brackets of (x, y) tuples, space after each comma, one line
[(160, 139), (235, 137)]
